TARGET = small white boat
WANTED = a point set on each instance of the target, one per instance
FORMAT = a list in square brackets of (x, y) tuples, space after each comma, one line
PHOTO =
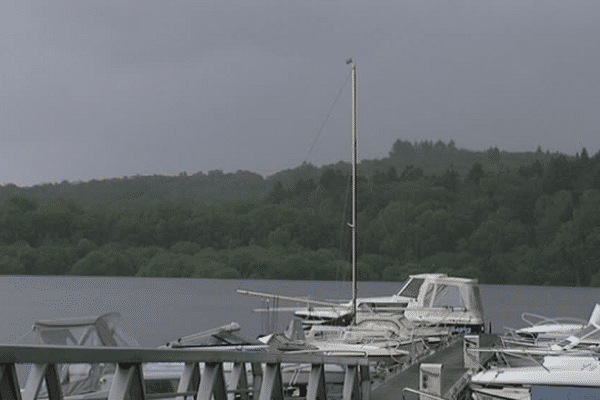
[(427, 299), (377, 351), (554, 358), (556, 333), (581, 374)]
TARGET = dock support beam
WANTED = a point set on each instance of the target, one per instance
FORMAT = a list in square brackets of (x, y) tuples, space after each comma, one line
[(317, 389), (238, 381), (213, 382), (357, 383), (272, 388), (190, 380), (9, 385), (39, 373), (128, 383), (257, 379)]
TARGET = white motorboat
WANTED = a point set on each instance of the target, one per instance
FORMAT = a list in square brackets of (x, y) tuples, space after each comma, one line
[(427, 299), (542, 360), (557, 333), (376, 349), (579, 374)]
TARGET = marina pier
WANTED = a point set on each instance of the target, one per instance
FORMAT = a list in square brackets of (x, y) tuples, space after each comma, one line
[(128, 379), (442, 375)]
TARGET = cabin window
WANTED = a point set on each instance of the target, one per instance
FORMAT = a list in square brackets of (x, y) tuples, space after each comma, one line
[(412, 288), (448, 296), (428, 296)]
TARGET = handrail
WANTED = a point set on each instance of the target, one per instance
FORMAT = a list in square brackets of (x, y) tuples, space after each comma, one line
[(128, 381), (543, 320), (37, 354)]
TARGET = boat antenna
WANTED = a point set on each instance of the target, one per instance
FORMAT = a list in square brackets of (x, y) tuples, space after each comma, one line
[(353, 225)]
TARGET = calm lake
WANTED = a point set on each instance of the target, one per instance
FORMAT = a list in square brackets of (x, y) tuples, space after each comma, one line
[(157, 310)]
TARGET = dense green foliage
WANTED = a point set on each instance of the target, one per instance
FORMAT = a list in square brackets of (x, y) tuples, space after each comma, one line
[(526, 218)]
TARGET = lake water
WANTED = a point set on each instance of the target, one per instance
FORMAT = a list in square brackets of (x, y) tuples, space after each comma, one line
[(157, 310)]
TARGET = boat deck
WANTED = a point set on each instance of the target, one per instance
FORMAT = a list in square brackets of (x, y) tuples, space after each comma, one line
[(453, 370)]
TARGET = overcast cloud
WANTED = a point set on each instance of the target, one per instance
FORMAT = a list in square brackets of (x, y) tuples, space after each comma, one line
[(100, 89)]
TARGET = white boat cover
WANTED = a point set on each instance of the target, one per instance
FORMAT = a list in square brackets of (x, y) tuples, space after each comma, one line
[(97, 331)]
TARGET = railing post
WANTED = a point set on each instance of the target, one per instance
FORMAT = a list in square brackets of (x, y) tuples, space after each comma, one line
[(9, 384), (351, 388), (190, 380), (317, 389), (471, 359), (238, 380), (365, 382), (257, 379), (357, 383), (128, 382), (213, 382), (430, 379), (53, 382), (272, 388), (37, 374)]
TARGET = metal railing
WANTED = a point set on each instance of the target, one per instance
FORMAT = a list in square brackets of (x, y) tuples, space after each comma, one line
[(128, 380)]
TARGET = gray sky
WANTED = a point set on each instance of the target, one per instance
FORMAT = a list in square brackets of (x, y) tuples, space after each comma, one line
[(100, 89)]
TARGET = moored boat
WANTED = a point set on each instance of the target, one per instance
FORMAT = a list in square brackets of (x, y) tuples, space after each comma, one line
[(578, 374), (427, 299)]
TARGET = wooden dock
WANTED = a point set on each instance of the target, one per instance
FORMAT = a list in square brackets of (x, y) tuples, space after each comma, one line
[(453, 375)]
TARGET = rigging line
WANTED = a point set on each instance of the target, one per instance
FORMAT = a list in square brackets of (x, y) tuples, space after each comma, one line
[(327, 117)]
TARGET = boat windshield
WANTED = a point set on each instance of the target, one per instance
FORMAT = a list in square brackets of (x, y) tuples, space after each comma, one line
[(579, 336), (448, 296), (411, 289)]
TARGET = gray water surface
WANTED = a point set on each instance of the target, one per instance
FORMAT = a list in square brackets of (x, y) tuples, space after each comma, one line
[(157, 310)]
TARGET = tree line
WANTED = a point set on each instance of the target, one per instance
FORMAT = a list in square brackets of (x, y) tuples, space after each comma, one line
[(535, 223)]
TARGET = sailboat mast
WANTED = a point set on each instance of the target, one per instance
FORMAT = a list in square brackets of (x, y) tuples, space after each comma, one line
[(353, 226)]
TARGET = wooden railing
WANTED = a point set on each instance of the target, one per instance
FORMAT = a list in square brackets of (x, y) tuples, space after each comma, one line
[(128, 380)]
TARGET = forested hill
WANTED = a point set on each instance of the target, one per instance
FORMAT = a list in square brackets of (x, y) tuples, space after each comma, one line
[(216, 187), (527, 218)]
